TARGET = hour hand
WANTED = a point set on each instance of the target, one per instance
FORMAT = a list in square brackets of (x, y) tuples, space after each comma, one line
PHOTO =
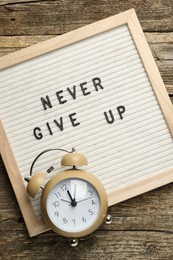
[(73, 201)]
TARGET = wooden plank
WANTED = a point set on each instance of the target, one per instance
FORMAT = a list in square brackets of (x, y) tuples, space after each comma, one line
[(19, 42), (102, 245), (7, 2), (170, 90), (166, 70), (161, 45), (57, 17)]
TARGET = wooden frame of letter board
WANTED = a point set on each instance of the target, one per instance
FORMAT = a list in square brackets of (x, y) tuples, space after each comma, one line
[(129, 18)]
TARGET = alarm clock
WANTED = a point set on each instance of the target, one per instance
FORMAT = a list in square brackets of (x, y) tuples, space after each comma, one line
[(74, 202)]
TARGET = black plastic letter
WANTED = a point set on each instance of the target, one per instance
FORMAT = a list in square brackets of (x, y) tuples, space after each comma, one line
[(121, 110), (110, 119), (37, 133)]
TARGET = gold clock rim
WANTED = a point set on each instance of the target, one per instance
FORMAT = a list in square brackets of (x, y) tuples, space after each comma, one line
[(84, 175)]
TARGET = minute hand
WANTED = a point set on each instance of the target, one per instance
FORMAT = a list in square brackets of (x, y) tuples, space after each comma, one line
[(85, 199)]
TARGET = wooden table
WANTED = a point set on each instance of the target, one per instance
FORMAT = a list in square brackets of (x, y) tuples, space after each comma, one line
[(142, 227)]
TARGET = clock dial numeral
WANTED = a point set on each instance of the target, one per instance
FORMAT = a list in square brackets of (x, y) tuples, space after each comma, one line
[(90, 212), (74, 221), (56, 214), (55, 204), (65, 221), (63, 187), (93, 202), (84, 219), (58, 194), (90, 192)]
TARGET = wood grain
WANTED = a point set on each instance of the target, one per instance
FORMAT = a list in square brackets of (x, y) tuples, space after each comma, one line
[(57, 17), (142, 227)]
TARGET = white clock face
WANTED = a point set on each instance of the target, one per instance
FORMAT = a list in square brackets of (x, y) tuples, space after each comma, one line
[(73, 205)]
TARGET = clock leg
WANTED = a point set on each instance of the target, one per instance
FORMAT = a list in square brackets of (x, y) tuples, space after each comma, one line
[(74, 242), (108, 219)]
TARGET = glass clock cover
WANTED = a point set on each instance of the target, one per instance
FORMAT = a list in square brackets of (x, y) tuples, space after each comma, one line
[(73, 205)]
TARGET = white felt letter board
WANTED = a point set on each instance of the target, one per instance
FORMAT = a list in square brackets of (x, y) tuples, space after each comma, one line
[(96, 89)]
